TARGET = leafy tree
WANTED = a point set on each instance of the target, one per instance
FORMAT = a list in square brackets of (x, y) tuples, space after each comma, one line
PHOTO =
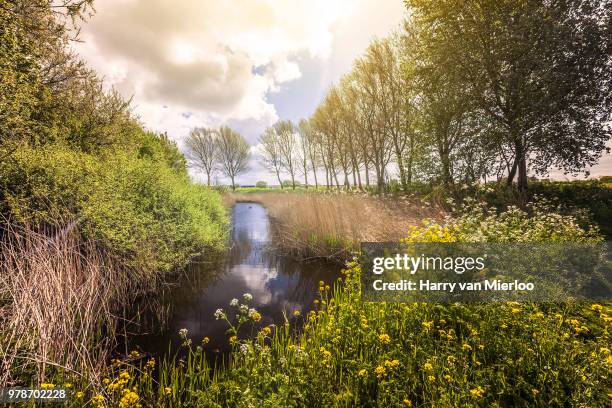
[(202, 150), (287, 146), (271, 153), (540, 70), (233, 153)]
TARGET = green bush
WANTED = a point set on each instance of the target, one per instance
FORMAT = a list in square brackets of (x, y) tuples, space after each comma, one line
[(261, 184), (142, 210)]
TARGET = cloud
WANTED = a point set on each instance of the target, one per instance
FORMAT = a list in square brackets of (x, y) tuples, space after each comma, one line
[(200, 54), (194, 63)]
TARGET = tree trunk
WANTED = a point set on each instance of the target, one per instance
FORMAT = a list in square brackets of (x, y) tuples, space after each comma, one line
[(522, 174), (233, 184), (279, 179), (402, 170)]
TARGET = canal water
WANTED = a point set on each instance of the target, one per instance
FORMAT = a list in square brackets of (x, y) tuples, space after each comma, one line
[(278, 285)]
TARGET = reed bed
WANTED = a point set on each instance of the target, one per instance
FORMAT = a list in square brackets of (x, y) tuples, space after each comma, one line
[(57, 306), (333, 224)]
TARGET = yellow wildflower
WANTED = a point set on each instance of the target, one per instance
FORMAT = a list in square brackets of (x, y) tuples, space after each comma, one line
[(167, 391), (363, 372), (79, 395), (233, 339), (596, 307), (408, 402), (466, 347), (427, 366), (384, 338), (428, 325), (205, 341), (477, 392), (380, 371), (129, 399), (47, 386)]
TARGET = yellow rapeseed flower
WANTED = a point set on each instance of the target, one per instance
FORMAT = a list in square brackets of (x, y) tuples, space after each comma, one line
[(477, 392), (384, 338)]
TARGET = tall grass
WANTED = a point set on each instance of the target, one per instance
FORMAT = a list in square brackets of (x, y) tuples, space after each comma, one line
[(333, 224), (58, 297)]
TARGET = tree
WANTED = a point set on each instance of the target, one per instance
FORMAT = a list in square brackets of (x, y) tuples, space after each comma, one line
[(304, 150), (202, 150), (233, 153), (270, 152), (287, 143), (540, 70)]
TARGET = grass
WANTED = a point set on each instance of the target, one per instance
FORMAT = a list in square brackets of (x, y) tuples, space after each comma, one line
[(332, 225), (58, 294)]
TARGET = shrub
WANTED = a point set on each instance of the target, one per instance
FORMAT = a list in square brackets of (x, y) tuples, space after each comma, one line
[(146, 213), (261, 184)]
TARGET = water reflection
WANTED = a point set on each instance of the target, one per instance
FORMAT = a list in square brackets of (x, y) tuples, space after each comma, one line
[(278, 285)]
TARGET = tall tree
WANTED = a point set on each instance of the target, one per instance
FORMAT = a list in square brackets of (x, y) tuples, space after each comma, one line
[(271, 154), (539, 69), (305, 149), (202, 150), (233, 153), (287, 144)]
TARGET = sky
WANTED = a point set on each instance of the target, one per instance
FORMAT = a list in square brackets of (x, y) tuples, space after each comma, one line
[(240, 63)]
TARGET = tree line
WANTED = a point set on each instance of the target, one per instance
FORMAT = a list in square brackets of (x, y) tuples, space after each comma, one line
[(223, 150), (465, 92)]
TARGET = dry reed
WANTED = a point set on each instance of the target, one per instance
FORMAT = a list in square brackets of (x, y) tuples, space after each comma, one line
[(332, 224), (57, 313)]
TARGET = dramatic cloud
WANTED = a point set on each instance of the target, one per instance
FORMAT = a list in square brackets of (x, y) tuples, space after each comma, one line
[(205, 62), (217, 59)]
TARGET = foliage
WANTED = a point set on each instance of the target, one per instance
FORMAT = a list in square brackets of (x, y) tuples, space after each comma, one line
[(261, 184), (142, 210)]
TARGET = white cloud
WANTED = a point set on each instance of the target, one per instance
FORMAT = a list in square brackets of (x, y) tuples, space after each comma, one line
[(207, 62)]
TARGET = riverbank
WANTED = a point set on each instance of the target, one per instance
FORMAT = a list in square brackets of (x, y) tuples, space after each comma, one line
[(331, 225), (88, 234), (354, 353)]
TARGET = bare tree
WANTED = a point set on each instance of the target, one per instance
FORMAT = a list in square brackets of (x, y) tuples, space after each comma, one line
[(287, 143), (304, 150), (202, 150), (233, 153), (271, 154)]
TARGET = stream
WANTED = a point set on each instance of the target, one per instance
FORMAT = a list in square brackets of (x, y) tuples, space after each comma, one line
[(278, 285)]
